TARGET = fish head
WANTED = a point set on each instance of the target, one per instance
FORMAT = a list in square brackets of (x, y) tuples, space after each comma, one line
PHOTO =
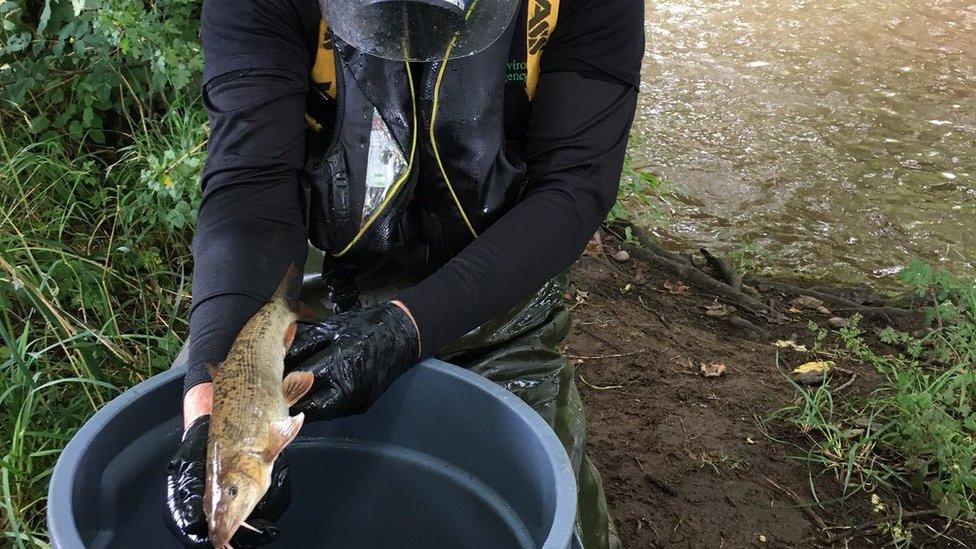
[(236, 488)]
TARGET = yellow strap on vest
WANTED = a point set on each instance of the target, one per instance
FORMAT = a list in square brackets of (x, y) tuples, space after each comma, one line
[(541, 21), (324, 70)]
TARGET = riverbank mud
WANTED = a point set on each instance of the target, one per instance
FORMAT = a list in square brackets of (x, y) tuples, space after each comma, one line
[(694, 461)]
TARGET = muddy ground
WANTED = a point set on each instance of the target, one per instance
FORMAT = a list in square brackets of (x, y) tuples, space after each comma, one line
[(685, 459)]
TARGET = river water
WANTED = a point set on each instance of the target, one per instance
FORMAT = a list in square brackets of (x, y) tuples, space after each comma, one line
[(833, 136)]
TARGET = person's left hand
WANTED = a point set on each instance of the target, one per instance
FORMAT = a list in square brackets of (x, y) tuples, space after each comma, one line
[(355, 356), (185, 488)]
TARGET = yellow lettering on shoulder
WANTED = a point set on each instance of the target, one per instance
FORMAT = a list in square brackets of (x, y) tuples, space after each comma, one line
[(324, 69), (540, 22)]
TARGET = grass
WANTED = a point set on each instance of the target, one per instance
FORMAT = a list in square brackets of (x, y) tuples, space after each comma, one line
[(94, 278), (915, 434)]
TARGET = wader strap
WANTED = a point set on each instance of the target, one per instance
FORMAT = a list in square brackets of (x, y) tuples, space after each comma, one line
[(542, 16), (343, 291)]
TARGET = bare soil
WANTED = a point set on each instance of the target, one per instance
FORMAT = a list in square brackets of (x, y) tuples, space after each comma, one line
[(693, 461)]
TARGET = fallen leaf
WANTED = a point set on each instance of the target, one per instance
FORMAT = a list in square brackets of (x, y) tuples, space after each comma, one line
[(676, 287), (716, 369), (790, 344), (595, 245), (814, 366), (812, 373)]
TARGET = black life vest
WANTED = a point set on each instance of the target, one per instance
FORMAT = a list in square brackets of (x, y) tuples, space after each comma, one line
[(418, 152)]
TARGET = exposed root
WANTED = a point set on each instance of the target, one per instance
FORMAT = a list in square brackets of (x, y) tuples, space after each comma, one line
[(839, 303), (723, 269), (695, 277), (682, 267)]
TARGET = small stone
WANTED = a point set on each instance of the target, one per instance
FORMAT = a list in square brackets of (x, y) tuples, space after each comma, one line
[(622, 256), (762, 538), (823, 310), (806, 302), (837, 322)]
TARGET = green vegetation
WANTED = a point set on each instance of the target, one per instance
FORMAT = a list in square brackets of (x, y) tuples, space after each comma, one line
[(100, 150), (637, 193), (917, 430), (94, 279)]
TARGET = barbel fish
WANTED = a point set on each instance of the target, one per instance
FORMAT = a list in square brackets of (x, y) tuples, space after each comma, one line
[(250, 425)]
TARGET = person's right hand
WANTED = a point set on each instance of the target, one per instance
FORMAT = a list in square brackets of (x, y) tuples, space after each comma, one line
[(185, 482)]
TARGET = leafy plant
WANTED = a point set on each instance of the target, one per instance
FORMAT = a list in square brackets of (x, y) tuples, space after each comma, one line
[(90, 67), (94, 281), (917, 429), (635, 196)]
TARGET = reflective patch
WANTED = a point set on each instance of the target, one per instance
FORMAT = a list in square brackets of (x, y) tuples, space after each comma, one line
[(384, 166)]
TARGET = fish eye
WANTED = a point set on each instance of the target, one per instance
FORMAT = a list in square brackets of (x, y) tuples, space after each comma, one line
[(232, 490)]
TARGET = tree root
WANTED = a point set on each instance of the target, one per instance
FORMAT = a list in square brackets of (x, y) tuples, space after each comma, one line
[(695, 277), (874, 313), (724, 270), (726, 284), (683, 268)]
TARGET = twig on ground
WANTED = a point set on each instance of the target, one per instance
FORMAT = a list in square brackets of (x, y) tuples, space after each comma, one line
[(597, 387), (844, 385), (601, 357), (803, 505), (597, 336), (640, 299)]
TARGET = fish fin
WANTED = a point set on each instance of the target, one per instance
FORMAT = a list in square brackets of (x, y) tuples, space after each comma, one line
[(289, 336), (283, 432), (214, 371), (295, 385), (244, 524), (289, 287)]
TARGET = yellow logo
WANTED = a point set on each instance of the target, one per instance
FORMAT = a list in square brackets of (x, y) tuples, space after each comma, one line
[(542, 15)]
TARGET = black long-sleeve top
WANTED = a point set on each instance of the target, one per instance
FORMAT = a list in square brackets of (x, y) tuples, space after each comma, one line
[(250, 224)]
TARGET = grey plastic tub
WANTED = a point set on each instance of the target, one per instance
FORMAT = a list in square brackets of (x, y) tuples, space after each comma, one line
[(445, 459)]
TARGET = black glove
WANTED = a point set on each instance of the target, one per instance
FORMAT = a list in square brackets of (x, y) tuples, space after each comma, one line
[(185, 481), (355, 356)]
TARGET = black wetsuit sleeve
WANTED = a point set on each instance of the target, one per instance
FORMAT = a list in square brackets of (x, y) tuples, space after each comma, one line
[(577, 140), (250, 225)]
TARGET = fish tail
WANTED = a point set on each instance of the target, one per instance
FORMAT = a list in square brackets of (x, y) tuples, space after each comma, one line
[(289, 287)]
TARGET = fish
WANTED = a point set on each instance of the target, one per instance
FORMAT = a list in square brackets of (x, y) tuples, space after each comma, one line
[(250, 424)]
